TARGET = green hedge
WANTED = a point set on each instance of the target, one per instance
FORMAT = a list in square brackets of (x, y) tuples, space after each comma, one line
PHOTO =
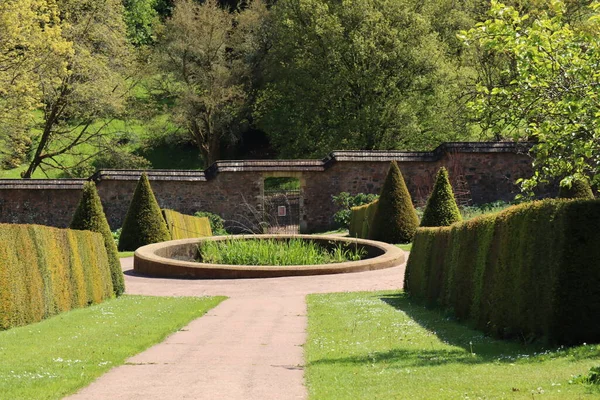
[(361, 220), (183, 226), (44, 271), (529, 272)]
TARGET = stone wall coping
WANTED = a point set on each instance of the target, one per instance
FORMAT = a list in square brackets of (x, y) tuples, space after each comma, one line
[(147, 261), (229, 166)]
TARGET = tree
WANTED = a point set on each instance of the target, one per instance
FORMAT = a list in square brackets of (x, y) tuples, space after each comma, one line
[(552, 95), (144, 223), (141, 19), (90, 216), (441, 208), (208, 52), (80, 102), (354, 75), (395, 219), (31, 43)]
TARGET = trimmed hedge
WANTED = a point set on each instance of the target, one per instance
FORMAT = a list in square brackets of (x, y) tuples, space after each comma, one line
[(580, 189), (144, 223), (441, 208), (530, 272), (395, 219), (45, 271), (89, 216), (183, 226), (361, 220)]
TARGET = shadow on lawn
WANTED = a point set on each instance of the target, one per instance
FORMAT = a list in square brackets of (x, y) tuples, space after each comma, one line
[(469, 346)]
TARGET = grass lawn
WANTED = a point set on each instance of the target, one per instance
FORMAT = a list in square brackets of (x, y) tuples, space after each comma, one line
[(57, 356), (123, 254), (405, 246), (379, 345)]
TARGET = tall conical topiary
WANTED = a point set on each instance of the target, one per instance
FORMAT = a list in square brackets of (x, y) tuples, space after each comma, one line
[(579, 189), (90, 216), (144, 223), (441, 208), (395, 218)]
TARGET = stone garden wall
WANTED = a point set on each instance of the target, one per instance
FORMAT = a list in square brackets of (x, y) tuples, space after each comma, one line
[(480, 172)]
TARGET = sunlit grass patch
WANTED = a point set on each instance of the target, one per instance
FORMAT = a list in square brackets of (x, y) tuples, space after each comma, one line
[(57, 356), (381, 346)]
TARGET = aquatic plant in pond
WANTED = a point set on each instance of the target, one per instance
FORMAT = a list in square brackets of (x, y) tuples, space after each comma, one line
[(276, 252)]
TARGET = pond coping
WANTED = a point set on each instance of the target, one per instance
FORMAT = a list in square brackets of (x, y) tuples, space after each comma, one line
[(160, 259)]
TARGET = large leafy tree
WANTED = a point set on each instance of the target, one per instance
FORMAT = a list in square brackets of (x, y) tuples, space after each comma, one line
[(31, 43), (369, 74), (209, 53), (552, 95), (81, 100)]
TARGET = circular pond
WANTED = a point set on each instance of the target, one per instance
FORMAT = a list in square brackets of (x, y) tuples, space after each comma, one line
[(174, 259)]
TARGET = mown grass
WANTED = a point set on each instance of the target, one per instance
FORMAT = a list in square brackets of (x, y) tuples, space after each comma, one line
[(275, 252), (379, 345), (56, 357), (124, 254)]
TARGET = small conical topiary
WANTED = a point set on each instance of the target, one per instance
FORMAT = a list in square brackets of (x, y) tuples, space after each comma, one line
[(144, 223), (441, 208), (395, 219), (579, 189), (90, 216)]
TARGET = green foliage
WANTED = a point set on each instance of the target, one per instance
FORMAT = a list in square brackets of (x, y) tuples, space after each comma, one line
[(281, 183), (207, 53), (441, 208), (354, 75), (529, 272), (217, 226), (577, 188), (45, 271), (395, 219), (141, 19), (345, 201), (591, 378), (183, 226), (92, 87), (89, 216), (549, 93), (144, 223), (275, 252)]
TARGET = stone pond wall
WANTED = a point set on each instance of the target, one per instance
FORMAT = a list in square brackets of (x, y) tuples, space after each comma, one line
[(480, 173)]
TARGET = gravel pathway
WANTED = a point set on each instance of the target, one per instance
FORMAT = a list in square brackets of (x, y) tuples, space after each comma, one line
[(248, 347)]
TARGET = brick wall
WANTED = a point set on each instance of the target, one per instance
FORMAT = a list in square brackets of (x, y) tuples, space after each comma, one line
[(483, 172)]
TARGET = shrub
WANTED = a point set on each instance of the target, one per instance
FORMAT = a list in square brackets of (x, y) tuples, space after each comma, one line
[(217, 224), (531, 271), (45, 271), (90, 216), (361, 220), (345, 201), (183, 226), (144, 223), (441, 208), (395, 219), (579, 188)]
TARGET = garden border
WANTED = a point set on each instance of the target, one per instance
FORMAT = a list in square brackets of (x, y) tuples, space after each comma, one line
[(157, 260)]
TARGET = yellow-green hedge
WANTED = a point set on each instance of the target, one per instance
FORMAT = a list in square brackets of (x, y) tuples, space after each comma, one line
[(45, 271), (361, 220), (529, 272), (183, 226)]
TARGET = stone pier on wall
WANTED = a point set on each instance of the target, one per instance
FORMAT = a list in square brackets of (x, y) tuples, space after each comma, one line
[(480, 172)]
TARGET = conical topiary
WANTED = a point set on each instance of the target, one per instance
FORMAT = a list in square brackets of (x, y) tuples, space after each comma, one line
[(395, 219), (144, 223), (579, 189), (90, 216), (441, 208)]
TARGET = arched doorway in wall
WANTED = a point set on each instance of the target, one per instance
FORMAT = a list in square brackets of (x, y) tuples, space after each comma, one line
[(282, 204)]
